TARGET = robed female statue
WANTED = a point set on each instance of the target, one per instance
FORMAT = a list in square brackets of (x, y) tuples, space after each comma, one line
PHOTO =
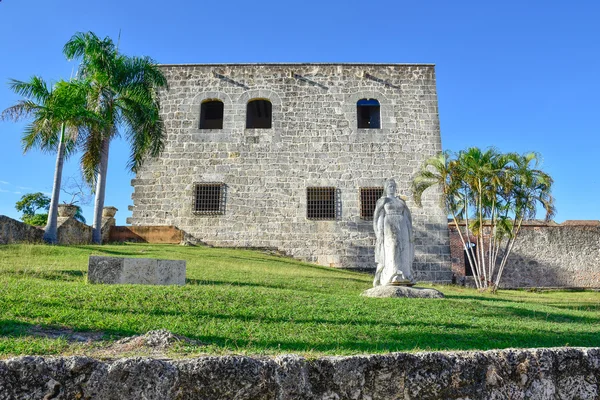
[(394, 248)]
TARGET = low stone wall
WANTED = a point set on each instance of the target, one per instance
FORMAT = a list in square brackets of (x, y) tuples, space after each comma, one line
[(561, 373), (13, 231), (567, 255), (71, 231), (546, 255), (146, 234)]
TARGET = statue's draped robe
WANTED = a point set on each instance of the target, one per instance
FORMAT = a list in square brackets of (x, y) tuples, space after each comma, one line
[(394, 249)]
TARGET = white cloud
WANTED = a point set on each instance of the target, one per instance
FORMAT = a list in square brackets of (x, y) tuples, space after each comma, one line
[(4, 191), (24, 188), (4, 183)]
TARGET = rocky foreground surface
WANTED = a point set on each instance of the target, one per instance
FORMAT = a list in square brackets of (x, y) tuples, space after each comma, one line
[(558, 373)]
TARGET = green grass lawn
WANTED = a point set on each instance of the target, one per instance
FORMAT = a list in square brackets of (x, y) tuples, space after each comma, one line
[(248, 302)]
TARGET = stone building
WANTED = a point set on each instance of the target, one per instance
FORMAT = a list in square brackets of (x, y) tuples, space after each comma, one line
[(293, 157)]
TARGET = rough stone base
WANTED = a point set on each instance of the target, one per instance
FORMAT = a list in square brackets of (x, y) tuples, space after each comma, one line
[(147, 271), (402, 291), (561, 373)]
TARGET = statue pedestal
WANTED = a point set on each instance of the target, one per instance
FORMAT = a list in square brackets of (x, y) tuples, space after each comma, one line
[(402, 291), (405, 282)]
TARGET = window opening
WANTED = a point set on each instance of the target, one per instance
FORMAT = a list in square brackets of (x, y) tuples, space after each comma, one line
[(208, 198), (320, 203), (368, 199), (368, 114), (211, 115), (258, 114)]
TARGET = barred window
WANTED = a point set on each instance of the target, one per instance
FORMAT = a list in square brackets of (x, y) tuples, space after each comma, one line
[(209, 198), (211, 114), (321, 203), (368, 199)]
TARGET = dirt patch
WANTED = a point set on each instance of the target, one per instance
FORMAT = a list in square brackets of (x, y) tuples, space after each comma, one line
[(152, 344), (65, 333)]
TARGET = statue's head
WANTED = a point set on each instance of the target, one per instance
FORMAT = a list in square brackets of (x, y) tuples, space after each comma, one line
[(390, 187)]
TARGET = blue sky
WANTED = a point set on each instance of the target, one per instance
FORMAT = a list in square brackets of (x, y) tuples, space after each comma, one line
[(517, 75)]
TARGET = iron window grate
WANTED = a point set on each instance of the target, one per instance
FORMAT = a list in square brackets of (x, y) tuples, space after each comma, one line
[(209, 198), (368, 200), (321, 203)]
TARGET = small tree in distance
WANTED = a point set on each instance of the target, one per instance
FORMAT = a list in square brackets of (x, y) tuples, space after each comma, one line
[(30, 204), (490, 194)]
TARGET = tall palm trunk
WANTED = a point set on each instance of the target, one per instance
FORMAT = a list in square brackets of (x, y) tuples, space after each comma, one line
[(50, 232), (100, 190)]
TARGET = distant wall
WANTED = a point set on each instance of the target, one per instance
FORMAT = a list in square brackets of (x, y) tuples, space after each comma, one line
[(71, 231), (559, 373), (547, 255), (13, 231), (146, 234)]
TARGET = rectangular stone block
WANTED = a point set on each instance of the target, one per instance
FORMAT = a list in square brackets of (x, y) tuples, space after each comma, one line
[(145, 271)]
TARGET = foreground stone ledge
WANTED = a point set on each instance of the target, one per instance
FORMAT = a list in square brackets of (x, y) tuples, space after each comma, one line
[(558, 373), (147, 271)]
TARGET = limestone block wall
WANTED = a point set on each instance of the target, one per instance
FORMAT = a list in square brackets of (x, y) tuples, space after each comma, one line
[(556, 256), (547, 255), (13, 231), (560, 373), (71, 231), (314, 141)]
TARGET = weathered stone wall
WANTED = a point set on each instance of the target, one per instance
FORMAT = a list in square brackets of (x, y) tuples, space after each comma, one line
[(507, 374), (547, 255), (13, 231), (314, 141), (555, 256), (71, 231)]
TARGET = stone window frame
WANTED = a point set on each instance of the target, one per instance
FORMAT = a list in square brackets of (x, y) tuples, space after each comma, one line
[(258, 135), (386, 115), (221, 201), (336, 206), (193, 112)]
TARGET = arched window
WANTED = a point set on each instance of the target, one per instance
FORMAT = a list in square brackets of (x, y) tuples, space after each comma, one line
[(368, 111), (258, 114), (211, 114)]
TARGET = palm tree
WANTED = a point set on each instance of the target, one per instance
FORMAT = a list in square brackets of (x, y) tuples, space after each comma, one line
[(529, 186), (123, 92), (498, 190), (445, 172), (59, 117)]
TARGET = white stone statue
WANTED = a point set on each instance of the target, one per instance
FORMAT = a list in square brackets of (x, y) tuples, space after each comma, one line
[(394, 249)]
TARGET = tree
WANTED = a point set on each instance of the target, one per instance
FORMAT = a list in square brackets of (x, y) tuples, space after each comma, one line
[(123, 92), (29, 205), (59, 118), (490, 194)]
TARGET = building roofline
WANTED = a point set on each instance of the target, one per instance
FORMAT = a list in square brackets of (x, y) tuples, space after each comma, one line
[(296, 64)]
